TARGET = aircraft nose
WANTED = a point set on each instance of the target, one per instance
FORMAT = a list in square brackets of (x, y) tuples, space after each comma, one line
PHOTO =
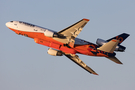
[(8, 24)]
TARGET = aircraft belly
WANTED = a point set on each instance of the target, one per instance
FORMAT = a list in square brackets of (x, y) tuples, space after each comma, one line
[(55, 46)]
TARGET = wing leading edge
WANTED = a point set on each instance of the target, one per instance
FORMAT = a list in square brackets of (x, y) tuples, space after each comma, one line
[(78, 61)]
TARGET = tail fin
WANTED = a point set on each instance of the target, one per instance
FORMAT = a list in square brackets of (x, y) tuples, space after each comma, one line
[(110, 46), (120, 37), (114, 59)]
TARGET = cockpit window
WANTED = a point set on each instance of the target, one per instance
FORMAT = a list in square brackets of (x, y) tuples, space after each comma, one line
[(20, 22), (27, 24), (11, 21)]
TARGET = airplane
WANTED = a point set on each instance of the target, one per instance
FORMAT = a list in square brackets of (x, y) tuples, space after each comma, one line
[(65, 42)]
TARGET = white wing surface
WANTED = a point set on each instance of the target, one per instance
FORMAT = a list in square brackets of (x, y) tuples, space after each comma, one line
[(72, 32), (75, 29)]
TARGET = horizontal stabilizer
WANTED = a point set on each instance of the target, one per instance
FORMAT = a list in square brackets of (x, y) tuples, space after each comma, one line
[(110, 46), (114, 59)]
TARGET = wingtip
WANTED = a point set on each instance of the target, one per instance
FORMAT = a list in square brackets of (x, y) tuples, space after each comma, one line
[(119, 63), (86, 19), (95, 73)]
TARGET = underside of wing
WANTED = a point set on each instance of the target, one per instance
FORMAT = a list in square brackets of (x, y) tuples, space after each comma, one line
[(78, 61)]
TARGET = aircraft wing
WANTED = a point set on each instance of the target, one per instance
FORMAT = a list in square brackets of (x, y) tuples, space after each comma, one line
[(73, 30), (78, 61)]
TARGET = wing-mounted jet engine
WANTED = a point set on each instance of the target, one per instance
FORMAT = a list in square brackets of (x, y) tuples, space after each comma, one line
[(50, 34), (54, 52)]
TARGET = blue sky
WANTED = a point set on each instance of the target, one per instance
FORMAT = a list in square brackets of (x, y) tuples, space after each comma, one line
[(25, 65)]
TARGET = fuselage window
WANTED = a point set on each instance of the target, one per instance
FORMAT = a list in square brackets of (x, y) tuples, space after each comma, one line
[(29, 24)]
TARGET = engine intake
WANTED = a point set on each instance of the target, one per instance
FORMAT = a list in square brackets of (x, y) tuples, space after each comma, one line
[(54, 52), (101, 42)]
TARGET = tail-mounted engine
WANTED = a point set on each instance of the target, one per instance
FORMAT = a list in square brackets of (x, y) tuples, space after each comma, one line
[(119, 48), (54, 52)]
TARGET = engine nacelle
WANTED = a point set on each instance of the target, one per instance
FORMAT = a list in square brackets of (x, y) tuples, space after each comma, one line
[(101, 42), (54, 52), (119, 48), (50, 34)]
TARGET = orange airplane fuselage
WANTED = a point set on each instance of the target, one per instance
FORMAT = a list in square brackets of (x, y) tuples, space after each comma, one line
[(88, 49)]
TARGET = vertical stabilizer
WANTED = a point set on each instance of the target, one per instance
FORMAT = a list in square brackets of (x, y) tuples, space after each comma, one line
[(120, 37), (110, 46)]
